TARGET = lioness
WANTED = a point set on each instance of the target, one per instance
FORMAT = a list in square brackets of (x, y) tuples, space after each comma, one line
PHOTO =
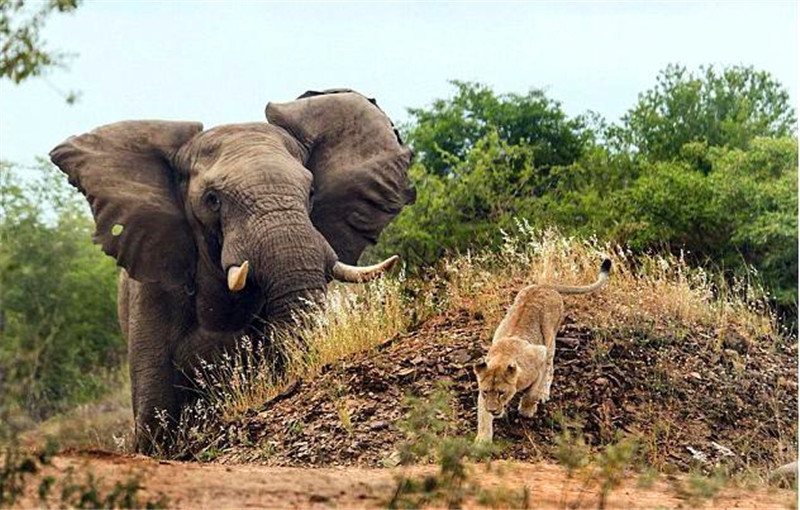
[(521, 356)]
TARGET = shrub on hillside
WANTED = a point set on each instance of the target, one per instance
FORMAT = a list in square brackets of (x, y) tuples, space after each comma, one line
[(721, 189)]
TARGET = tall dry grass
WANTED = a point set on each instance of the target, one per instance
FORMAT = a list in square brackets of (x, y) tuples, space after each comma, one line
[(656, 295), (353, 319)]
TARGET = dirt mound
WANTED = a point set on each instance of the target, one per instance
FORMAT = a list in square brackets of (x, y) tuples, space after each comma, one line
[(687, 402)]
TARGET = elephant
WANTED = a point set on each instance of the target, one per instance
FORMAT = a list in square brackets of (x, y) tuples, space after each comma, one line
[(217, 230)]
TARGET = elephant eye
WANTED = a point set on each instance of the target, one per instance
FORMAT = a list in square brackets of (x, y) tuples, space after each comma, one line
[(211, 200)]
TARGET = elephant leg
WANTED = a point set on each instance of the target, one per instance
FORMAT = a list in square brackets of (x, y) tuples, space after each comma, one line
[(154, 397), (155, 324)]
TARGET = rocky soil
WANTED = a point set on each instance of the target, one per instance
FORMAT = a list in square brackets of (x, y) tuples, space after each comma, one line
[(709, 397)]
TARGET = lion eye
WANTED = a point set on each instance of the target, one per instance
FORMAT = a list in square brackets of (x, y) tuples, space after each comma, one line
[(212, 201)]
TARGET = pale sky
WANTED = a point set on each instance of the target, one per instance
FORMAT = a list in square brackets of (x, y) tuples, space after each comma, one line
[(221, 62)]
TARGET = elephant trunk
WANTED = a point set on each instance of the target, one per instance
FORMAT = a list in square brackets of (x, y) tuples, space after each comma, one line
[(287, 262), (290, 262)]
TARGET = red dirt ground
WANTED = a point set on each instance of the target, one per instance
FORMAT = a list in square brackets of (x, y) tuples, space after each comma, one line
[(193, 485)]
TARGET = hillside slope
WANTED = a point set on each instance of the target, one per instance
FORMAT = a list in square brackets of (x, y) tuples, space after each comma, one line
[(680, 399)]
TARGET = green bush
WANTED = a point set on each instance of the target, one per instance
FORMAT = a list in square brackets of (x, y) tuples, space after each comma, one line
[(728, 107), (704, 165), (484, 194), (445, 132), (58, 328)]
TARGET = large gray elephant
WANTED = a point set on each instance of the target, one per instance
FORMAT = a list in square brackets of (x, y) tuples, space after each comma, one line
[(217, 230)]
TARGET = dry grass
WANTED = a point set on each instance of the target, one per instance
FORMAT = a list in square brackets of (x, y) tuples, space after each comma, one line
[(647, 296), (647, 293), (354, 319), (105, 424)]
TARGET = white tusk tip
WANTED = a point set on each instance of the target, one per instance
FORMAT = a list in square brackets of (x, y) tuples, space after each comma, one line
[(237, 276)]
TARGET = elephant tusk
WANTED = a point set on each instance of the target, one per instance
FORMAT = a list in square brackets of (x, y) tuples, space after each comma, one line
[(353, 274), (237, 276)]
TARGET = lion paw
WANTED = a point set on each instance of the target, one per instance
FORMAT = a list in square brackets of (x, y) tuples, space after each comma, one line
[(528, 411), (483, 439)]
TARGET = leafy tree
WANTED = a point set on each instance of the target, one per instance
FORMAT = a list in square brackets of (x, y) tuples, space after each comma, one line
[(58, 331), (715, 176), (494, 186), (756, 192), (23, 52), (444, 134), (742, 211), (719, 108)]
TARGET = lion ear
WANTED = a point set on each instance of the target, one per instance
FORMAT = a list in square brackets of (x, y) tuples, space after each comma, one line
[(511, 369), (479, 368)]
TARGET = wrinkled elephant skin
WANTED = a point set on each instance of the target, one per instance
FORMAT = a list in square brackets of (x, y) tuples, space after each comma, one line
[(221, 229)]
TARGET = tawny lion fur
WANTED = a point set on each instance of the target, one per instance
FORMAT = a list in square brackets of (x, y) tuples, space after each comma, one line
[(521, 356)]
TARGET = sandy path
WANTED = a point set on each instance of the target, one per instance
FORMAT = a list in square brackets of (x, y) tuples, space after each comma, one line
[(193, 485)]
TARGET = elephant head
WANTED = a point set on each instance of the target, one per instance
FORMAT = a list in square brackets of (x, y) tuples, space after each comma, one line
[(246, 218)]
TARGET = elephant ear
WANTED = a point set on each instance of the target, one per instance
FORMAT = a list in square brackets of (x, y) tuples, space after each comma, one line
[(359, 162), (124, 171)]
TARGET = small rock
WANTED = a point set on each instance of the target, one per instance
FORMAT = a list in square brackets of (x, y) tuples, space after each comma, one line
[(786, 471), (601, 381), (568, 341), (731, 353), (697, 454), (378, 425), (736, 342), (393, 460), (461, 356), (696, 375), (723, 450)]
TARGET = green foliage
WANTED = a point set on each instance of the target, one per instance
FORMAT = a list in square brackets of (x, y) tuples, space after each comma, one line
[(453, 213), (696, 489), (606, 469), (18, 468), (428, 429), (89, 494), (23, 53), (612, 467), (704, 165), (571, 451), (447, 131), (425, 423), (58, 328), (728, 108), (742, 211)]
